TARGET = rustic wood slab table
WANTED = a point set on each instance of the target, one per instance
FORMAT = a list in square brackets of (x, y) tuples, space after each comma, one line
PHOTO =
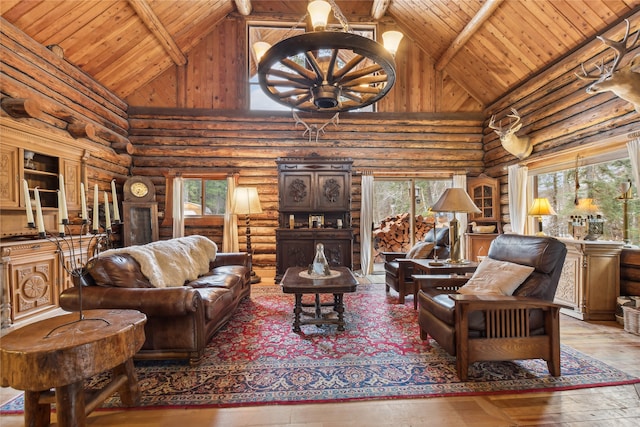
[(61, 352), (341, 282)]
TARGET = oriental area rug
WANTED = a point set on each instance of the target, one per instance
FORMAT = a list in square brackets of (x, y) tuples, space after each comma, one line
[(256, 359)]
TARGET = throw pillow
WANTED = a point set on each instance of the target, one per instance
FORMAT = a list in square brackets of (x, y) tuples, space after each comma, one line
[(420, 250), (493, 277)]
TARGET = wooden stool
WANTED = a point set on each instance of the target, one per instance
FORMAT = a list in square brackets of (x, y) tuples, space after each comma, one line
[(61, 352)]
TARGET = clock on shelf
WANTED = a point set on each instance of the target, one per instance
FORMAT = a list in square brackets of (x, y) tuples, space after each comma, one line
[(140, 211)]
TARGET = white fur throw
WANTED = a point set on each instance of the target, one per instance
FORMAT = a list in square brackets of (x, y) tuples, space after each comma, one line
[(168, 263)]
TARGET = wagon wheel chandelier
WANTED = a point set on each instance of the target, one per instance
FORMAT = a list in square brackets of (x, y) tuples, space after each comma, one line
[(324, 70)]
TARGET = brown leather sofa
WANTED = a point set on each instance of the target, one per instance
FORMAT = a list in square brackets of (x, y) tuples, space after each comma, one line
[(398, 269), (180, 320), (524, 325)]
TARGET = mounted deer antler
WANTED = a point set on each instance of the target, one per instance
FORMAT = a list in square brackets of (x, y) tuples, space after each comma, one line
[(311, 128), (621, 81), (519, 146)]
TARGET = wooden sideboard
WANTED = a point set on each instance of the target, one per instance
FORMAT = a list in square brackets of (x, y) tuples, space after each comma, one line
[(590, 281), (314, 189)]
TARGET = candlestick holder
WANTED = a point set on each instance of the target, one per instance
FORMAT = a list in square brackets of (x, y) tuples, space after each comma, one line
[(75, 266)]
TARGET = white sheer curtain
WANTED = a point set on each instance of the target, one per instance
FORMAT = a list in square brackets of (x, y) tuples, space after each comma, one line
[(518, 178), (460, 181), (366, 222), (634, 155), (230, 230), (178, 207)]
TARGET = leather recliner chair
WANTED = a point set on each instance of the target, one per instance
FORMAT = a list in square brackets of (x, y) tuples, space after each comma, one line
[(524, 325), (398, 269)]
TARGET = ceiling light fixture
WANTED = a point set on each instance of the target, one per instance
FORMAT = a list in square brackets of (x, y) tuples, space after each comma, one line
[(327, 70)]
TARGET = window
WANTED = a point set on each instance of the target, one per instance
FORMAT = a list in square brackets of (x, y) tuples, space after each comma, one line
[(600, 182), (272, 34), (204, 197), (402, 207)]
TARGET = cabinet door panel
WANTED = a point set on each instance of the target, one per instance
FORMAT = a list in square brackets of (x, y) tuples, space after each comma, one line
[(33, 285), (338, 252), (295, 253), (9, 193), (332, 194), (72, 178), (296, 192)]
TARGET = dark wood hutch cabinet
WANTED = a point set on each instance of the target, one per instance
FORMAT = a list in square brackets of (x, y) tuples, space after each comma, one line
[(314, 207)]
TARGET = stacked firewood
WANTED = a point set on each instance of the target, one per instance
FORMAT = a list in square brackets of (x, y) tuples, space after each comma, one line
[(393, 234)]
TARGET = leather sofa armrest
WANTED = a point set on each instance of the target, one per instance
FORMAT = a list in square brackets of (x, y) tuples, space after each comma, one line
[(177, 301), (231, 258)]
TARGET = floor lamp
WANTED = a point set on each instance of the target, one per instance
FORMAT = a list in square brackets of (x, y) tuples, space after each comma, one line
[(625, 197), (455, 200), (247, 202), (540, 207)]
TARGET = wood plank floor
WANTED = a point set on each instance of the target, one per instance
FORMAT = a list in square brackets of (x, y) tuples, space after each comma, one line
[(601, 406)]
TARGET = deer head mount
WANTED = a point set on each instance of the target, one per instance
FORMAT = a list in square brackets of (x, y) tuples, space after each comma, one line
[(519, 146), (620, 80), (310, 128)]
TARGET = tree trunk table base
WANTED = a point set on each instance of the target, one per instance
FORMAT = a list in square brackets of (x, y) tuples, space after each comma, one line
[(61, 352)]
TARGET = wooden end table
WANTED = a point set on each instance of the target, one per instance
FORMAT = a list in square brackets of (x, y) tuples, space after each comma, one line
[(438, 268), (61, 352), (293, 283)]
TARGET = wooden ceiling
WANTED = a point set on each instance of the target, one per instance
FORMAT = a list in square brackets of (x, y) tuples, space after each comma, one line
[(486, 46)]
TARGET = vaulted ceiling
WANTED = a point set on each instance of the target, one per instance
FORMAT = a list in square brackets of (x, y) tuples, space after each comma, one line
[(487, 46)]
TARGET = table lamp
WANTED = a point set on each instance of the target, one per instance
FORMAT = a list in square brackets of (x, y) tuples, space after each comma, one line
[(455, 200), (539, 208), (247, 202)]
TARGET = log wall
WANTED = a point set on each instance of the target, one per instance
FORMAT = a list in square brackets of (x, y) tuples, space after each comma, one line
[(193, 140), (62, 99), (558, 114)]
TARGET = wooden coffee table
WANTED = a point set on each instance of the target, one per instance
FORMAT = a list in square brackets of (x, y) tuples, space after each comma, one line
[(293, 283), (61, 352)]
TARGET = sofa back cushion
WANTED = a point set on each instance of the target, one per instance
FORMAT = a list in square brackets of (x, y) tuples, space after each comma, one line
[(119, 270)]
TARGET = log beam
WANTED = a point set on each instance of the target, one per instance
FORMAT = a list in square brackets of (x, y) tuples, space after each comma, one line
[(469, 30), (21, 108), (244, 7), (150, 19), (81, 130), (379, 8)]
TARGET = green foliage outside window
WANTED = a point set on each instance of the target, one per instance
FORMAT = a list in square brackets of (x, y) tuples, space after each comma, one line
[(600, 182), (210, 193)]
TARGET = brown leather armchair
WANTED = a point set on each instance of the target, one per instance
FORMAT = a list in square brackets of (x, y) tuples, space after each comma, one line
[(398, 269), (490, 327)]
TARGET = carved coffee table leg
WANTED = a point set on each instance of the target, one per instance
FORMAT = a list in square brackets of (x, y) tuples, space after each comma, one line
[(339, 308), (35, 413), (297, 310)]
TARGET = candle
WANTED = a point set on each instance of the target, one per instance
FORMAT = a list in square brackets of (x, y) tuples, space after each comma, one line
[(96, 217), (83, 202), (60, 213), (27, 202), (65, 215), (114, 197), (40, 221), (107, 214)]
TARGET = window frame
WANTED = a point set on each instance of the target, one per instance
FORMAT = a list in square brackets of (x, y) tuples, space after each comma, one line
[(191, 221)]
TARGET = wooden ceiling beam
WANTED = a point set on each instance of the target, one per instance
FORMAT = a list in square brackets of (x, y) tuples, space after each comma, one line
[(150, 19), (379, 8), (467, 32), (243, 6)]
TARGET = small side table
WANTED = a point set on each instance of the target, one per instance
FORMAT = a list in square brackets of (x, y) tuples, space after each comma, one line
[(433, 268), (61, 352)]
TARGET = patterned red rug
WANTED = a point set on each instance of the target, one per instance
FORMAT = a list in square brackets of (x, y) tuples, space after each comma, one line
[(256, 359)]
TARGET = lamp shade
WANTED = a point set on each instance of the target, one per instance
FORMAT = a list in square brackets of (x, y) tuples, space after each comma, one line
[(319, 12), (540, 207), (259, 49), (587, 206), (455, 200), (246, 201), (391, 40)]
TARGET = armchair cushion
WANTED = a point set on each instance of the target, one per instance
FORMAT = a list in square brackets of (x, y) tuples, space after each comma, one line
[(495, 277), (420, 250)]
